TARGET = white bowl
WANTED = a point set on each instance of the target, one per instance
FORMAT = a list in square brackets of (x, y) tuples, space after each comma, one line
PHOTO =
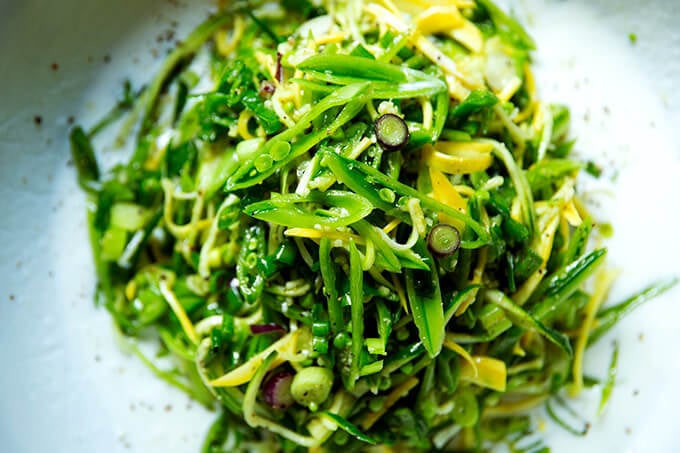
[(67, 386)]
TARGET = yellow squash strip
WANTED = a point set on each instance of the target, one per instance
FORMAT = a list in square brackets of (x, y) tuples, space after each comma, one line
[(510, 89), (431, 51), (444, 192), (177, 308), (457, 90), (428, 113), (332, 38), (478, 273), (458, 349), (518, 351), (603, 282), (469, 35), (267, 61), (530, 84), (256, 421), (514, 407), (244, 373), (311, 233), (394, 396), (516, 210), (226, 46), (277, 104), (457, 148), (571, 214), (459, 164), (360, 147), (421, 42), (243, 120), (409, 5), (469, 300), (490, 373), (581, 208), (131, 290), (464, 190), (542, 245), (391, 226), (438, 19)]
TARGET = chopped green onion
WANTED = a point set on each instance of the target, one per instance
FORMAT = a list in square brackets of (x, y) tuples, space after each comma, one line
[(391, 132), (443, 240)]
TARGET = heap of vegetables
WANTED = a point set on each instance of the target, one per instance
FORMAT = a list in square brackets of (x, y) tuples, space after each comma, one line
[(351, 224)]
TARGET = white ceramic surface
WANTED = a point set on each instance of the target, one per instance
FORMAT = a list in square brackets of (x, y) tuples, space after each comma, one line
[(65, 384)]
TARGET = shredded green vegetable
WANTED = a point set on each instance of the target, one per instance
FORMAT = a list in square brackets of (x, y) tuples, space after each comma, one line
[(277, 246)]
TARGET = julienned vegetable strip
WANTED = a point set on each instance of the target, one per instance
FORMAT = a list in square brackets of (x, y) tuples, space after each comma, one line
[(356, 297), (347, 228)]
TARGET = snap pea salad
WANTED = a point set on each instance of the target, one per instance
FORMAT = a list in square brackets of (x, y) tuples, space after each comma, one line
[(353, 225)]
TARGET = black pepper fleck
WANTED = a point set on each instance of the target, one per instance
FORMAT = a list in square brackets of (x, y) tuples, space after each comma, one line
[(37, 119)]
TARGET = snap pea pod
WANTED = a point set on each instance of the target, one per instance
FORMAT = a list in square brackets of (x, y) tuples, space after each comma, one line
[(367, 181), (425, 300), (385, 90), (527, 320), (328, 273), (561, 284), (250, 278), (341, 208), (352, 97), (356, 68), (609, 316), (356, 278)]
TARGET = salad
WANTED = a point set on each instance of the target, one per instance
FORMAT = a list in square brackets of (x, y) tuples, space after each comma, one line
[(353, 225)]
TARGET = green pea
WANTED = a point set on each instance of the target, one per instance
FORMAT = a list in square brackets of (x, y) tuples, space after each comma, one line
[(387, 195), (280, 150), (311, 386), (341, 340), (465, 410), (263, 162)]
